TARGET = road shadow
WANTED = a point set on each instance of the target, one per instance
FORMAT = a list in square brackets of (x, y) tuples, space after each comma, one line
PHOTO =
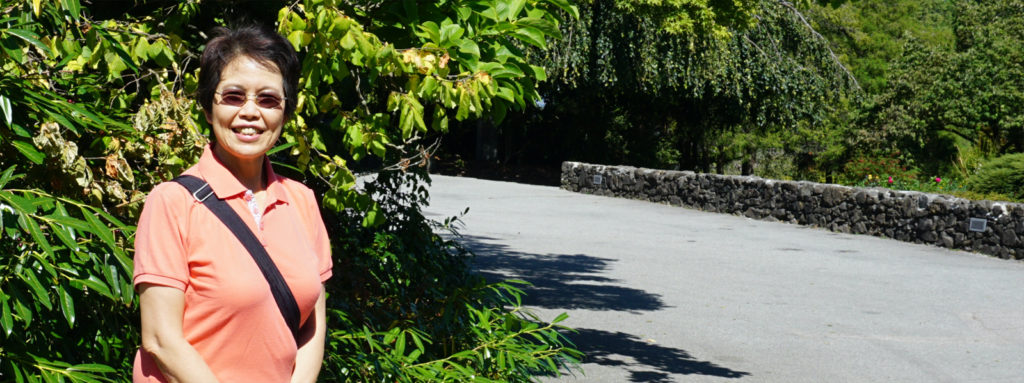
[(576, 281), (559, 281), (608, 349)]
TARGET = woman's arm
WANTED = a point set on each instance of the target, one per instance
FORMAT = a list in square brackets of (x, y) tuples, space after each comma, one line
[(162, 309), (311, 343)]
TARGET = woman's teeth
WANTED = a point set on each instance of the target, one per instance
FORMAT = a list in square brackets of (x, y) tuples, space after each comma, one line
[(247, 131)]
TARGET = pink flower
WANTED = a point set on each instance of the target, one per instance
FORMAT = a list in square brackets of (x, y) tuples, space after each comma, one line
[(890, 179), (937, 179)]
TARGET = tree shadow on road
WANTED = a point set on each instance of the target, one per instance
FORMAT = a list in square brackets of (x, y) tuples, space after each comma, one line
[(560, 281), (608, 349), (575, 281)]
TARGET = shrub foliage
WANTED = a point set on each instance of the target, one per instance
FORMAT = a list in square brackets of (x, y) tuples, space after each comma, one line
[(1002, 175)]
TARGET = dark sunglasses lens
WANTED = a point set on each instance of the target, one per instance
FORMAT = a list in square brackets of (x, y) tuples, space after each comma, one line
[(233, 99), (268, 102)]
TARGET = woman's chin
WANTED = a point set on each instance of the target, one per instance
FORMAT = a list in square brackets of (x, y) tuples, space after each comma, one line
[(239, 150)]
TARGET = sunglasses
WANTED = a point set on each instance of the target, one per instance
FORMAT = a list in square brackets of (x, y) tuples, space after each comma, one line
[(238, 98)]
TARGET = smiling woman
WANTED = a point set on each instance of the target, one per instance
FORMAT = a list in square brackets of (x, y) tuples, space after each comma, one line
[(207, 312)]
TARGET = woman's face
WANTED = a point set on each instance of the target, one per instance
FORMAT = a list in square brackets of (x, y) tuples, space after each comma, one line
[(248, 110)]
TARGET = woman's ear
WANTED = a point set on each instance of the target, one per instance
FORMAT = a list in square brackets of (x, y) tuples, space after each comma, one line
[(209, 119)]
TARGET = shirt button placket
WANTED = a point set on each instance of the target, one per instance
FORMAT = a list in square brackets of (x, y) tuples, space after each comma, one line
[(257, 216)]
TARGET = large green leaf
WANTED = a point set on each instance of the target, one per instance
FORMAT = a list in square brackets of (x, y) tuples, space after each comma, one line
[(5, 107), (64, 235), (29, 151), (514, 8), (73, 7), (450, 33), (430, 31), (67, 304), (566, 6), (530, 35), (545, 26), (469, 47), (30, 225), (94, 283), (30, 278), (280, 148), (30, 37), (98, 228), (118, 49), (19, 377), (6, 319), (71, 222), (92, 367), (21, 302), (8, 175)]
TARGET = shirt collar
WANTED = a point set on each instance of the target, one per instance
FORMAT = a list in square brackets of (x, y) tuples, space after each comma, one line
[(226, 185)]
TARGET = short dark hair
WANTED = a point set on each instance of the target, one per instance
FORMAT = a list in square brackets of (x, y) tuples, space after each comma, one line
[(257, 42)]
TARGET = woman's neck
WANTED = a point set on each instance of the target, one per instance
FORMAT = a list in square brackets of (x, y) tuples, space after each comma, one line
[(249, 172)]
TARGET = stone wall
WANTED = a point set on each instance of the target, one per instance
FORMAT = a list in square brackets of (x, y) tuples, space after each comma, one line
[(994, 228)]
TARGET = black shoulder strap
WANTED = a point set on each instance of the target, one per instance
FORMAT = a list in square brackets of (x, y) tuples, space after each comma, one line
[(282, 294)]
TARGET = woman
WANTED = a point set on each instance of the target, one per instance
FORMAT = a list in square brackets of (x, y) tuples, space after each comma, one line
[(207, 310)]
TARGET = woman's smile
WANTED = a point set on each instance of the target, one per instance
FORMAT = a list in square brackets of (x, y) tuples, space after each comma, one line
[(248, 134)]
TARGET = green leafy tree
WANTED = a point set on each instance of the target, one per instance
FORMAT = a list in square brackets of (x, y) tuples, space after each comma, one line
[(941, 104), (868, 35), (626, 89)]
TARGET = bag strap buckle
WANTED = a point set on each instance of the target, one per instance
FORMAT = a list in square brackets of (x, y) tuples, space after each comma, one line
[(201, 188)]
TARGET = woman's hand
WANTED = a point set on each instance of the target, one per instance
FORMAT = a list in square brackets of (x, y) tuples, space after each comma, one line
[(311, 343), (162, 309)]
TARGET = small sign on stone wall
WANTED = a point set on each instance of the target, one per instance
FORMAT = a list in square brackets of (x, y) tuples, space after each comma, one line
[(598, 179), (978, 224)]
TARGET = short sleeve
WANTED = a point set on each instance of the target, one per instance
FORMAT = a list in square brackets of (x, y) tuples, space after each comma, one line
[(160, 250)]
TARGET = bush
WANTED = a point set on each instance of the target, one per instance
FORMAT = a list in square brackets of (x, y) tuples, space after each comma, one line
[(404, 305), (1002, 175), (869, 169)]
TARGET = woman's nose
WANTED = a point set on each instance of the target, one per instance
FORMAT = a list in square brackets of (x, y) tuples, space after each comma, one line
[(249, 109)]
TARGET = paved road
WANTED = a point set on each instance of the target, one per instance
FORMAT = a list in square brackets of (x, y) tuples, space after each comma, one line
[(668, 294)]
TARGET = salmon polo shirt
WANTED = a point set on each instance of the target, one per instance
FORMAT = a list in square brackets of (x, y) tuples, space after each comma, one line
[(231, 317)]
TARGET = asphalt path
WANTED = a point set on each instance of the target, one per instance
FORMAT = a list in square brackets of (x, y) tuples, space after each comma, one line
[(660, 293)]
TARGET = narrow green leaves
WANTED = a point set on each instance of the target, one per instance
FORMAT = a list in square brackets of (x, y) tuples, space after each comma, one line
[(98, 228), (67, 305), (32, 280), (73, 7), (29, 151), (32, 227), (6, 319), (5, 108), (30, 37), (7, 176)]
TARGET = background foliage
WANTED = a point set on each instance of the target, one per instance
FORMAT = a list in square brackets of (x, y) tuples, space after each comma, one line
[(95, 109), (624, 88), (791, 90)]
